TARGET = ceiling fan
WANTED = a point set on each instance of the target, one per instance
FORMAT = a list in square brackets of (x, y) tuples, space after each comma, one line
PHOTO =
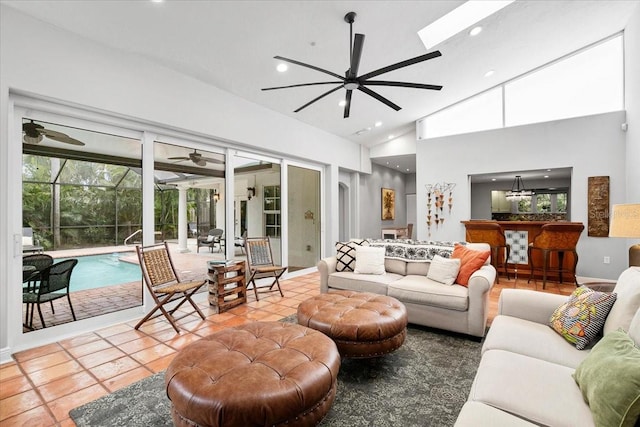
[(33, 133), (351, 81), (198, 159)]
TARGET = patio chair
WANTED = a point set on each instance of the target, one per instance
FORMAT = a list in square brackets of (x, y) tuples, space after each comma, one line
[(28, 242), (163, 283), (54, 284), (260, 265), (214, 237)]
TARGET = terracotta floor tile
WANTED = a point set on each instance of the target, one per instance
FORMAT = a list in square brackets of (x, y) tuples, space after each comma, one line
[(114, 368), (36, 417), (37, 352), (89, 348), (19, 403), (123, 337), (150, 354), (62, 406), (138, 344), (14, 386), (79, 340), (100, 357), (66, 423), (66, 385), (183, 340), (9, 370), (208, 330), (52, 373), (161, 364), (113, 330), (47, 361), (127, 378)]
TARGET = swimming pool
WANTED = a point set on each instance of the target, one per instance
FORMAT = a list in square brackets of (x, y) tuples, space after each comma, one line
[(97, 271)]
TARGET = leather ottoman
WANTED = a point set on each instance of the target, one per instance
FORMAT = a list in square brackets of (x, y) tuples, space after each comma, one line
[(362, 324), (257, 374)]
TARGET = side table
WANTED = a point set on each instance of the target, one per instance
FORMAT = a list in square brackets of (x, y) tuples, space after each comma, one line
[(227, 286)]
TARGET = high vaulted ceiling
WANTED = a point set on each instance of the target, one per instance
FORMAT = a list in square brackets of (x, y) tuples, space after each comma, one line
[(231, 44)]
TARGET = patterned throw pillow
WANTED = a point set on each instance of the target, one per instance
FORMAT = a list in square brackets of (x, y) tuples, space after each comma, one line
[(581, 318), (346, 254)]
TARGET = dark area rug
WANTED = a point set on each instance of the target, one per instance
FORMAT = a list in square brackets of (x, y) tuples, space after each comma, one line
[(424, 383)]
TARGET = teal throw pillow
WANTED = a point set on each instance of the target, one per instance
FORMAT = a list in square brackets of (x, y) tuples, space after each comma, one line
[(609, 379)]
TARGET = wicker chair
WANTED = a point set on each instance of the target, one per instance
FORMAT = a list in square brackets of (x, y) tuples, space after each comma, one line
[(163, 283), (260, 264)]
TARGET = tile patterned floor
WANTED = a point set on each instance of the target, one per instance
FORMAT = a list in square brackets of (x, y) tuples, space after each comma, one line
[(43, 384)]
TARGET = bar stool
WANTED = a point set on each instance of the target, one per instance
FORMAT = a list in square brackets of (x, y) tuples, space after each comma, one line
[(491, 233), (559, 238)]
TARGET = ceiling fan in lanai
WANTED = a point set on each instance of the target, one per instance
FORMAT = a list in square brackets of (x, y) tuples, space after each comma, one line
[(352, 81)]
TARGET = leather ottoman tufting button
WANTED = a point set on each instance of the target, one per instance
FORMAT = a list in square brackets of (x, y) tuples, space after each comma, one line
[(258, 374), (362, 324)]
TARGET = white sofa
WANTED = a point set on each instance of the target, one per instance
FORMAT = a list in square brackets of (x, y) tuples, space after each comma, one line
[(525, 374), (429, 303)]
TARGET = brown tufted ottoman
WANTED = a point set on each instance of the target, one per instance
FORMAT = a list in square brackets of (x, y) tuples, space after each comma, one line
[(258, 374), (362, 324)]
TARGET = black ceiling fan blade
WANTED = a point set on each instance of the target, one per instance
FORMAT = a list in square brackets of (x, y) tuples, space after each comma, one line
[(318, 98), (379, 97), (401, 84), (313, 67), (358, 43), (300, 85), (347, 105), (401, 64)]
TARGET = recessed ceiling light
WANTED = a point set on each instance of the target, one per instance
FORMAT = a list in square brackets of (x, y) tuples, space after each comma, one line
[(460, 18), (475, 31), (378, 124), (489, 73), (407, 169), (548, 170), (493, 179), (546, 176), (342, 103), (391, 136), (282, 67), (397, 166), (157, 1)]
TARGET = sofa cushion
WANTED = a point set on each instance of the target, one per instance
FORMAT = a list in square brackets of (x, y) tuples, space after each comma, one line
[(627, 303), (543, 393), (476, 414), (369, 260), (420, 290), (531, 339), (346, 254), (418, 268), (581, 318), (470, 261), (609, 379), (375, 283), (443, 270), (395, 266)]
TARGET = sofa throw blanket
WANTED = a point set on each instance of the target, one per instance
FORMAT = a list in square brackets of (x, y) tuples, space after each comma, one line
[(414, 250)]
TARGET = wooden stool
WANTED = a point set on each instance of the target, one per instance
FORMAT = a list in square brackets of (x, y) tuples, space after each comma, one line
[(559, 238)]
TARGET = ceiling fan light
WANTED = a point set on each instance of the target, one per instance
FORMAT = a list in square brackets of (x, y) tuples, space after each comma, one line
[(342, 103), (32, 140), (282, 67)]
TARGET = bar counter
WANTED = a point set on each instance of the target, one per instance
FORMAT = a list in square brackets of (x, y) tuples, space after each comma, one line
[(519, 235)]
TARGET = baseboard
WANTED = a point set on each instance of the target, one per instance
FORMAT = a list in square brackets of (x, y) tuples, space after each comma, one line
[(5, 355)]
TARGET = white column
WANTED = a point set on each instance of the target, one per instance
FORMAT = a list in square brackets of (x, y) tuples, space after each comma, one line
[(182, 220)]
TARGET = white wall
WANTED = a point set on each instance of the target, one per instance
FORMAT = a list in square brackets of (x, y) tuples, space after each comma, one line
[(592, 145), (632, 105), (371, 222)]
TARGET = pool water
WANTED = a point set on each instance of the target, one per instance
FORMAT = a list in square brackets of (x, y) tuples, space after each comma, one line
[(97, 271)]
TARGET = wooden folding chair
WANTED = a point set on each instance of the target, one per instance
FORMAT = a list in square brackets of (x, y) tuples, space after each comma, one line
[(260, 265), (164, 285)]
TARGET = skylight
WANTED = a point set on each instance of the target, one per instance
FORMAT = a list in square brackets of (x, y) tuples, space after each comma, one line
[(459, 20)]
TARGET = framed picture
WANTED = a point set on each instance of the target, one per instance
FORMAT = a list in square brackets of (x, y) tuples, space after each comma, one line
[(388, 204)]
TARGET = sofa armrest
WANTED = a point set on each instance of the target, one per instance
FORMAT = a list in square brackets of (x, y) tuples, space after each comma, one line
[(529, 305), (480, 284), (326, 266)]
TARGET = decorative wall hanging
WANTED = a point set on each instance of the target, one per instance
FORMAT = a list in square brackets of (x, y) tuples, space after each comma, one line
[(388, 202), (598, 206), (436, 194)]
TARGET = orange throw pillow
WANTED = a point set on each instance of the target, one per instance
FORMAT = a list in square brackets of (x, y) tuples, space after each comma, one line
[(470, 261)]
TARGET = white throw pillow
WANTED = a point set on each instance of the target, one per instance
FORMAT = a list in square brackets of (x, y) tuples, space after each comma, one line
[(369, 260), (443, 270)]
